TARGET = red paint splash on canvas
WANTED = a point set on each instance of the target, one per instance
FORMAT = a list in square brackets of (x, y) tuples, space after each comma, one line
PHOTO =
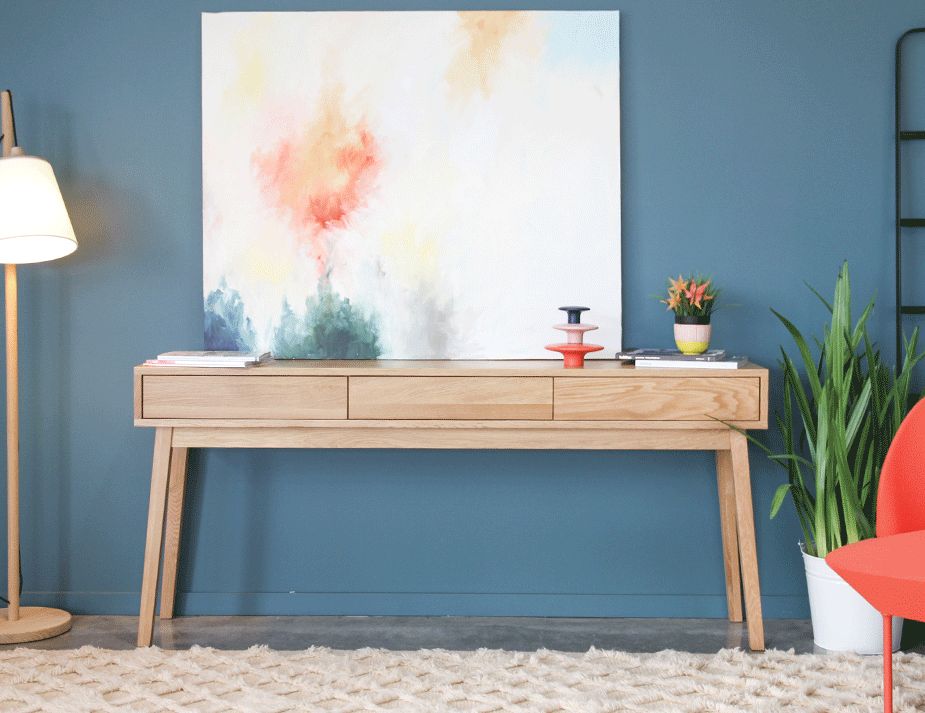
[(322, 175)]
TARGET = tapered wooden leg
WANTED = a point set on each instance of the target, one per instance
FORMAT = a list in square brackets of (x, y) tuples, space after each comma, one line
[(727, 519), (160, 467), (748, 552), (176, 487), (887, 663)]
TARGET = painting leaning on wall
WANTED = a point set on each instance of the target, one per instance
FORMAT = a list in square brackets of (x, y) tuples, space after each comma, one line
[(408, 184)]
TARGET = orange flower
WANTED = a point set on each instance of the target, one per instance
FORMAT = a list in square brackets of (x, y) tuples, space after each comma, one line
[(674, 299), (695, 293), (686, 296), (676, 285)]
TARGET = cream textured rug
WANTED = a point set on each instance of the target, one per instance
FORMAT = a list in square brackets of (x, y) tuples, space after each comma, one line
[(260, 680)]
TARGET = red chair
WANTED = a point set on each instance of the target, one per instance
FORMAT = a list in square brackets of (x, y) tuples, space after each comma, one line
[(889, 570)]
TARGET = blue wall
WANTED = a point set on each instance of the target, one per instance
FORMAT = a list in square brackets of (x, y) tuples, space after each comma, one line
[(757, 145)]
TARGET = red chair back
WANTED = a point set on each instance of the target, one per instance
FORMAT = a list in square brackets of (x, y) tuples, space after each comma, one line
[(901, 494)]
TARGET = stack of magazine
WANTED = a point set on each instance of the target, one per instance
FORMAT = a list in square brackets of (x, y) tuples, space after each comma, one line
[(674, 359), (222, 360)]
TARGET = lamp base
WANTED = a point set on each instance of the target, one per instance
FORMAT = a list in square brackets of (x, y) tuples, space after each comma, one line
[(33, 624)]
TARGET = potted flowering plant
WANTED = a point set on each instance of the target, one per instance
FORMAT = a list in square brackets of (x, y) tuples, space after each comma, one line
[(692, 300)]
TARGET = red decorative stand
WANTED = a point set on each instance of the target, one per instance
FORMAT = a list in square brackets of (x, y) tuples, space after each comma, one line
[(574, 350)]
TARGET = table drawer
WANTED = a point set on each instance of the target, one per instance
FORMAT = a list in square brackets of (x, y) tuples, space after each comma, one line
[(250, 397), (658, 399), (442, 397)]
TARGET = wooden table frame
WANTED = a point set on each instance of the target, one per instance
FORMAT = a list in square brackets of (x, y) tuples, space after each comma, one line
[(478, 405)]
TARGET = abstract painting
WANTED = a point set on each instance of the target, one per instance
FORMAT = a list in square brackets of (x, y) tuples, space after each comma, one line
[(409, 185)]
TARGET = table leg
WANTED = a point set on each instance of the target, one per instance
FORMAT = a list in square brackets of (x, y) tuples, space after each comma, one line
[(160, 467), (727, 518), (748, 553), (176, 487)]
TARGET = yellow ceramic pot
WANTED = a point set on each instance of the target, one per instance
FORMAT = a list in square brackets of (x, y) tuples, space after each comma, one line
[(692, 334)]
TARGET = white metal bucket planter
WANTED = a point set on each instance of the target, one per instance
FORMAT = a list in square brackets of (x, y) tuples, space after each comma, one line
[(842, 618)]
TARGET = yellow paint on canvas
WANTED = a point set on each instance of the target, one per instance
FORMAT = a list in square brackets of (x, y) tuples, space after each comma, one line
[(412, 257), (249, 53), (262, 264)]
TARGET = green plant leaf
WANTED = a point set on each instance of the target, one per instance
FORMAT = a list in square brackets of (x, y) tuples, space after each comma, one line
[(859, 413), (823, 300), (823, 516), (808, 362), (778, 498)]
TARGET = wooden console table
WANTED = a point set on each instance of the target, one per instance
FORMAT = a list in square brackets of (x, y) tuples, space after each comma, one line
[(451, 404)]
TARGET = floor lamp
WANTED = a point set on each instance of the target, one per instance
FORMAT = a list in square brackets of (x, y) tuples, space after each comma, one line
[(34, 227)]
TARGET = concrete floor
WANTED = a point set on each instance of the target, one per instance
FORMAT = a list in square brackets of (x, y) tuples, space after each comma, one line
[(461, 633)]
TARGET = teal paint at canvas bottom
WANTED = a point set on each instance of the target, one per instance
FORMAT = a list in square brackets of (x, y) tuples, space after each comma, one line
[(756, 147), (330, 328), (226, 326)]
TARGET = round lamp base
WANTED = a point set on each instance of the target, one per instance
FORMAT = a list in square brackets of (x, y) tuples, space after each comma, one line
[(33, 624)]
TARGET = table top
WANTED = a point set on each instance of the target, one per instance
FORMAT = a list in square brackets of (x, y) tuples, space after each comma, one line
[(451, 367)]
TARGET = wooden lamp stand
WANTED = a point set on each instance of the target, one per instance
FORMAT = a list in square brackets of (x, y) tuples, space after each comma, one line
[(17, 624)]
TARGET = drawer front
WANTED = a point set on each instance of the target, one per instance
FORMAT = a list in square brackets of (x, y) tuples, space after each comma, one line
[(440, 397), (657, 399), (251, 397)]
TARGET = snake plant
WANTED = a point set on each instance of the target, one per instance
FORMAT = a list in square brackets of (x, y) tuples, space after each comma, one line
[(838, 418)]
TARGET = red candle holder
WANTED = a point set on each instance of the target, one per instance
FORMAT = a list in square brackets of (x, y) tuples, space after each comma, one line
[(574, 349), (573, 355)]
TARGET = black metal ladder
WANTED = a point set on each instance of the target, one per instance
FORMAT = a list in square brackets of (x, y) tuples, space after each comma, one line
[(903, 222)]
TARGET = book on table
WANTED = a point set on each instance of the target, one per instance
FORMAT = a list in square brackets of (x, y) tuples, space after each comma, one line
[(673, 358), (669, 355), (216, 359), (734, 362)]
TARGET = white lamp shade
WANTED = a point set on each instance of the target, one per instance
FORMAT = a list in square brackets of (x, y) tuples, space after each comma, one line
[(34, 224)]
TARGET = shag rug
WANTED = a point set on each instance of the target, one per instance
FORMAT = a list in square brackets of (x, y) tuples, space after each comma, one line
[(260, 680)]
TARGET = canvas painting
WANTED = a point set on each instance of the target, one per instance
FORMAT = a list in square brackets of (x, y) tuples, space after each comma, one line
[(409, 185)]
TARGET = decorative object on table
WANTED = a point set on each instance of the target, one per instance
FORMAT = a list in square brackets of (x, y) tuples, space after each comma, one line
[(361, 208), (838, 420), (692, 300), (574, 349), (34, 227), (214, 359)]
